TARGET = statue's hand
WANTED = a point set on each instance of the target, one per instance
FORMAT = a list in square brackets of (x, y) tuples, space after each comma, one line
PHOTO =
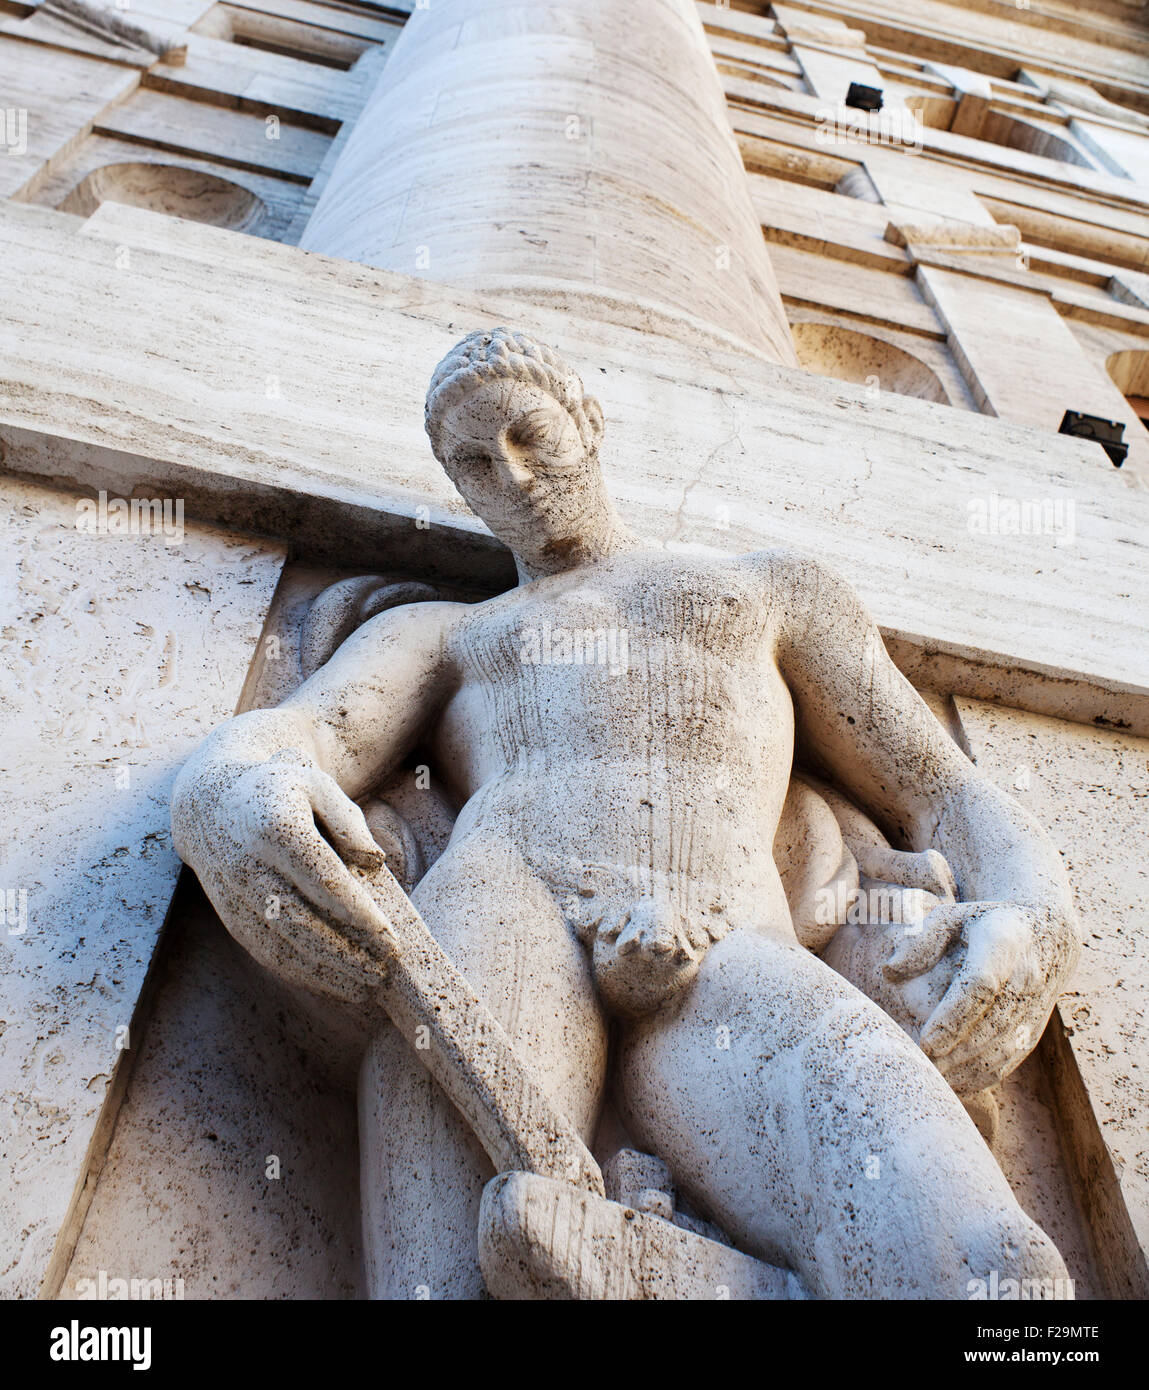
[(1003, 967), (266, 841)]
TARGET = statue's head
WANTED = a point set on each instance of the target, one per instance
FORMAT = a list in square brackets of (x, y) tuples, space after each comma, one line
[(519, 437)]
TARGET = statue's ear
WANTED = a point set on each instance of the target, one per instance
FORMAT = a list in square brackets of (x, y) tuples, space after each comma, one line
[(594, 415)]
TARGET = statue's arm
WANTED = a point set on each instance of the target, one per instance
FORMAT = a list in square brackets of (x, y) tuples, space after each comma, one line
[(1006, 948), (263, 810)]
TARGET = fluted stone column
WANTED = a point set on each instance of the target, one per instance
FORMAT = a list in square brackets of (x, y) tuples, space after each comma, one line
[(576, 153)]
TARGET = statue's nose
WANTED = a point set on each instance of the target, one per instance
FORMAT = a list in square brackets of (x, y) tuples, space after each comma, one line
[(512, 470)]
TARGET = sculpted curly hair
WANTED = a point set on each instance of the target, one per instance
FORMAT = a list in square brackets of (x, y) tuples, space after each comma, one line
[(498, 354)]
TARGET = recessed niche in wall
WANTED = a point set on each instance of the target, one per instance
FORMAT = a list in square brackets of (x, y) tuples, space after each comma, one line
[(848, 355), (932, 110), (1032, 136), (169, 188), (307, 42), (1130, 373)]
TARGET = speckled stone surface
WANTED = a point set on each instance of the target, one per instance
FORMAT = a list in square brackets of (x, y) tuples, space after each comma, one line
[(1089, 788), (234, 1164), (118, 652)]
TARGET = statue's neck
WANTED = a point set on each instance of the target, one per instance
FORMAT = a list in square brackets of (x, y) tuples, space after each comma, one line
[(613, 538)]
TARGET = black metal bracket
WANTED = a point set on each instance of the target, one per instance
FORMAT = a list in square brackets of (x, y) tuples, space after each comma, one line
[(1108, 433), (864, 98)]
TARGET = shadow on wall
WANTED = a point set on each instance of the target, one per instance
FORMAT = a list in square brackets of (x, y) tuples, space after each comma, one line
[(847, 355), (169, 188), (1033, 137)]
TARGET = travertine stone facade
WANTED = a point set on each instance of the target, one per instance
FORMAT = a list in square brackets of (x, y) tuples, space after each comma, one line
[(119, 644), (515, 149), (221, 288)]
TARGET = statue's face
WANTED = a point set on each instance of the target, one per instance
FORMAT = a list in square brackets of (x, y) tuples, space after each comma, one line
[(517, 457)]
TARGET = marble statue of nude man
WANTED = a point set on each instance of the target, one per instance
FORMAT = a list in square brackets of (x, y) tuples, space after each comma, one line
[(609, 888)]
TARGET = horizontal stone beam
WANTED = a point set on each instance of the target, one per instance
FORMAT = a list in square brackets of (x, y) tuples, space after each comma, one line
[(284, 391)]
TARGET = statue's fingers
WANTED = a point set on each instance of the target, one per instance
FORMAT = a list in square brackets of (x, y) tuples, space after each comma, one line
[(986, 1068), (963, 1004), (285, 933), (275, 804), (984, 1041), (1009, 1028), (927, 870), (972, 990), (313, 868), (919, 951), (343, 821), (325, 959), (976, 1076), (994, 948)]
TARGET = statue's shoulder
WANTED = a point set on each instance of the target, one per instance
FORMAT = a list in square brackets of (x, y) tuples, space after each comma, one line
[(802, 585), (787, 568)]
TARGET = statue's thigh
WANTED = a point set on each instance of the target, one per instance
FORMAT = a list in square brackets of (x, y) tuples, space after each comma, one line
[(803, 1120), (422, 1170)]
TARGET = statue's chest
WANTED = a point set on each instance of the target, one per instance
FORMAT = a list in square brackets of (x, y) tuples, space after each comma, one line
[(661, 615)]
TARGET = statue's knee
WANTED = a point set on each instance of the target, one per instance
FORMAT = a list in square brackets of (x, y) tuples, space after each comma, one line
[(1011, 1257)]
